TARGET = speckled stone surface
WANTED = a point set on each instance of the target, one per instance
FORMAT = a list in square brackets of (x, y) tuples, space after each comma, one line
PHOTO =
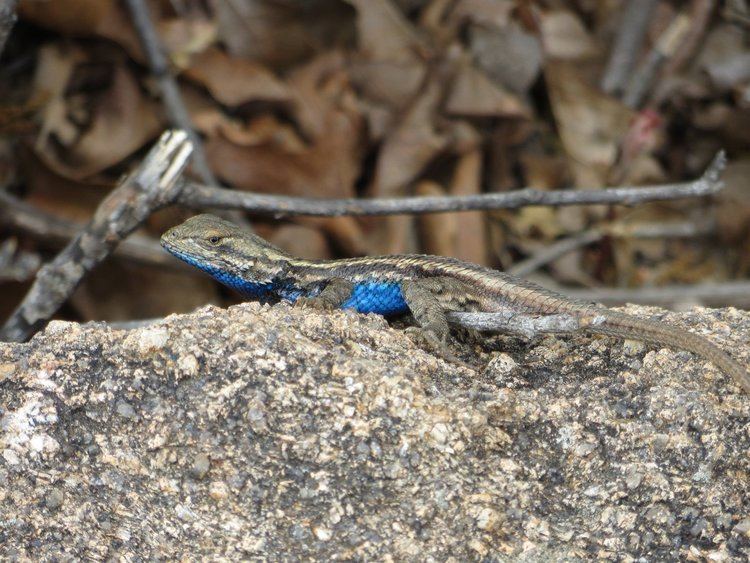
[(283, 433)]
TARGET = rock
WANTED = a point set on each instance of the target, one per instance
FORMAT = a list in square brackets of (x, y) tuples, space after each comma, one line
[(54, 499), (201, 465), (264, 432)]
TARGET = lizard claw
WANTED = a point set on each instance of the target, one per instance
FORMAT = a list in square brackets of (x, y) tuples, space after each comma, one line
[(429, 340)]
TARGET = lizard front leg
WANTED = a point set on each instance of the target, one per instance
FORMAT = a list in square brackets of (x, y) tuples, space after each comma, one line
[(336, 292)]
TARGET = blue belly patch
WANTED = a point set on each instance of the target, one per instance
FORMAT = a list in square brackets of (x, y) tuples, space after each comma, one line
[(377, 297)]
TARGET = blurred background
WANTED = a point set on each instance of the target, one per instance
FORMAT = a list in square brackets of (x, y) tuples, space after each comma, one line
[(385, 98)]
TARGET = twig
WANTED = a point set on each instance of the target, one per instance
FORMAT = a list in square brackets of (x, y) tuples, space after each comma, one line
[(7, 20), (643, 230), (152, 185), (521, 324), (728, 293), (200, 196), (17, 266), (176, 110), (642, 79), (21, 216), (631, 31)]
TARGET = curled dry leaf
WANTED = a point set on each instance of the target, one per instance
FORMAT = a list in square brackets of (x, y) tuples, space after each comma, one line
[(122, 121), (233, 81), (280, 163), (103, 18)]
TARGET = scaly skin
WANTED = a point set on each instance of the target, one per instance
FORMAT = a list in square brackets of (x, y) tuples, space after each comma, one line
[(425, 286)]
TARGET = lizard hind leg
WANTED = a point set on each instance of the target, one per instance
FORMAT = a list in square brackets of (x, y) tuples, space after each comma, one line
[(427, 310)]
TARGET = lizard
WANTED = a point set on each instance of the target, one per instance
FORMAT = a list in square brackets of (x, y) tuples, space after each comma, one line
[(426, 286)]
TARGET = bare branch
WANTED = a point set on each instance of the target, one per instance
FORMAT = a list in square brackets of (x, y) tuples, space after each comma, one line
[(16, 265), (21, 216), (636, 16), (7, 20), (735, 293), (176, 110), (520, 324), (151, 186), (641, 230), (641, 80), (200, 196)]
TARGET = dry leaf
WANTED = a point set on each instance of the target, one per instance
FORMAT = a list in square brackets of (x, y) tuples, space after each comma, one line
[(384, 34), (495, 13), (104, 18), (474, 94), (437, 231), (123, 121), (510, 55), (282, 34), (564, 36), (413, 144), (392, 83), (471, 235), (590, 123), (234, 81)]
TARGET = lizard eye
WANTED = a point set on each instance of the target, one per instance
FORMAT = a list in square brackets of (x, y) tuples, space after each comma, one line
[(214, 239)]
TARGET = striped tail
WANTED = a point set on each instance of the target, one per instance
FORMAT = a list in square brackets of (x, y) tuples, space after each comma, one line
[(625, 326)]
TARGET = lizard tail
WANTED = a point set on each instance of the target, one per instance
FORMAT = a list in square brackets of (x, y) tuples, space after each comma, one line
[(625, 326)]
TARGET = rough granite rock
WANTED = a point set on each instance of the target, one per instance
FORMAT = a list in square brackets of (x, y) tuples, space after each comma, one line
[(281, 433)]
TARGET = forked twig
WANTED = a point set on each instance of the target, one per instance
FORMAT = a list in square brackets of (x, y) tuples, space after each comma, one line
[(151, 186)]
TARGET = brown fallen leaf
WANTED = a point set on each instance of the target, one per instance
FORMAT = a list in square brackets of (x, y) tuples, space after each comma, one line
[(471, 234), (281, 35), (233, 81), (591, 124), (123, 120), (103, 18), (437, 232), (564, 36), (473, 94), (414, 143), (383, 33), (391, 83)]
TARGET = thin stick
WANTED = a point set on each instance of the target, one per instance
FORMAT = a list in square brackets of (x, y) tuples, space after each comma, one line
[(21, 216), (644, 230), (513, 322), (200, 196), (636, 15), (642, 79), (7, 20), (735, 293), (151, 186), (176, 110)]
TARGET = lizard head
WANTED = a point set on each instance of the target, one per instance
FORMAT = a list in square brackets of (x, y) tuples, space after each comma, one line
[(224, 250)]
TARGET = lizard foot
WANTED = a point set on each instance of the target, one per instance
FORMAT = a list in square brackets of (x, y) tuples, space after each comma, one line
[(428, 340)]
